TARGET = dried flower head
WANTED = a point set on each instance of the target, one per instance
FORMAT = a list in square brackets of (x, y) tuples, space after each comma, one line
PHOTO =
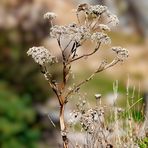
[(57, 30), (71, 32), (93, 11), (122, 53), (81, 33), (101, 37), (50, 15), (104, 27), (97, 10), (92, 117), (113, 19), (40, 55)]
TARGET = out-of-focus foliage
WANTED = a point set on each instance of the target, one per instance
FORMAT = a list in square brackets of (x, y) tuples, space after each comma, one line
[(143, 143), (20, 86), (17, 118)]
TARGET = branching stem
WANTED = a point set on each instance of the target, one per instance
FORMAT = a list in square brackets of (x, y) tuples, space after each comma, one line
[(101, 68), (86, 55)]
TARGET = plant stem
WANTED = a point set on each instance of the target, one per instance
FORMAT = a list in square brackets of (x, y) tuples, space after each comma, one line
[(63, 127)]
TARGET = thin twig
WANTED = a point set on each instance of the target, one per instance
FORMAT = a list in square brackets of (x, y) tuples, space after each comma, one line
[(68, 44), (114, 62), (101, 68), (86, 55), (59, 42), (78, 18), (78, 85), (51, 121), (52, 84), (93, 27)]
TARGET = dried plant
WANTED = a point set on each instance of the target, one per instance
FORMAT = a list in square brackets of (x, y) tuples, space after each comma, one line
[(100, 130), (93, 24)]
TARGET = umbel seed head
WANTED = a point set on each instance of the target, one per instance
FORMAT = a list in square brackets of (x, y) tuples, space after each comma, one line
[(40, 55), (122, 53)]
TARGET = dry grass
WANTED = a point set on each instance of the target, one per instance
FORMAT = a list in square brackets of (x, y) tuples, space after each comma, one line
[(108, 126)]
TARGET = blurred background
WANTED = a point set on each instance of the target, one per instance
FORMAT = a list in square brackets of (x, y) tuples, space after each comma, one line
[(26, 101)]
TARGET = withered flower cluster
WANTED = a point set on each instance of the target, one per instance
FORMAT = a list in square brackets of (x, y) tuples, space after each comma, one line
[(98, 20), (89, 118), (41, 55), (122, 53), (99, 131)]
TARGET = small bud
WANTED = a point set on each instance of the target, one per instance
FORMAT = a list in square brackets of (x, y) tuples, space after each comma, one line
[(98, 96), (50, 15), (119, 110)]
